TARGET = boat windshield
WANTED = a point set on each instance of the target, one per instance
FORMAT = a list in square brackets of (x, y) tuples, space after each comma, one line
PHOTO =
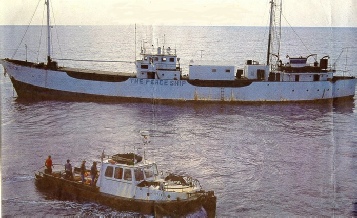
[(139, 175), (150, 171)]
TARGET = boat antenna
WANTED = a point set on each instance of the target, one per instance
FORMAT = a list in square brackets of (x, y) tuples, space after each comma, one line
[(48, 33), (146, 141), (270, 30)]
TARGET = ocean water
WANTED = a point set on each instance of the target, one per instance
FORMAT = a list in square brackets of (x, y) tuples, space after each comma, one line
[(288, 159)]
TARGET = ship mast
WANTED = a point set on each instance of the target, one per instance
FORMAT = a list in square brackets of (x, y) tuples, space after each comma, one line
[(270, 30), (274, 30), (48, 33)]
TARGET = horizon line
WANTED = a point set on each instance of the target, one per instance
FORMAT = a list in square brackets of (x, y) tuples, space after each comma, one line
[(177, 25)]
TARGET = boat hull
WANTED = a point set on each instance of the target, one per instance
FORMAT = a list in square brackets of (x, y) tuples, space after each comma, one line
[(70, 190), (36, 82)]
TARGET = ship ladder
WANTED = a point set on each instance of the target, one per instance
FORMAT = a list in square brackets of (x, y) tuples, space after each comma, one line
[(222, 94)]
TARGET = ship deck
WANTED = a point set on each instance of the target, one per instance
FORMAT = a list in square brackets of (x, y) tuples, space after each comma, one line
[(99, 72)]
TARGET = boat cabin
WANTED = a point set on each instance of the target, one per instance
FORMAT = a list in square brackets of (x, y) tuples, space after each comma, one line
[(137, 179), (211, 72), (298, 62), (255, 71), (299, 70), (120, 177), (164, 64)]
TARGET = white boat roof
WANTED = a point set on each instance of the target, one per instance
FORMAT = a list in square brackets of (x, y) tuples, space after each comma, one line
[(140, 164)]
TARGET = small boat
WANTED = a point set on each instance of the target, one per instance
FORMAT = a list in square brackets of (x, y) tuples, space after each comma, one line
[(159, 76), (129, 182)]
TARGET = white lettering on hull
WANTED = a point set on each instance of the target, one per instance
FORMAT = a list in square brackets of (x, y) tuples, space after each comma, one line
[(159, 82)]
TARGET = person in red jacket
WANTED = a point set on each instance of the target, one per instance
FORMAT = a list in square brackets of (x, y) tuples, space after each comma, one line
[(49, 164)]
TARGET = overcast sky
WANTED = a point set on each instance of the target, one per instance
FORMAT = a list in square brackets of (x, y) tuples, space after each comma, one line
[(337, 13)]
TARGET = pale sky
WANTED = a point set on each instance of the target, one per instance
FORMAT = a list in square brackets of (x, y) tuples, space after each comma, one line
[(336, 13)]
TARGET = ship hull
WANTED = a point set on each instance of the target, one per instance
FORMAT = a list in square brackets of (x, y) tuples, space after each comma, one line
[(34, 82), (63, 189)]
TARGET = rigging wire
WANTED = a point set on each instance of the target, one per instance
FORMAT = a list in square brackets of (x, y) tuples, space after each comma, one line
[(54, 21), (26, 30), (39, 46), (346, 49), (296, 34)]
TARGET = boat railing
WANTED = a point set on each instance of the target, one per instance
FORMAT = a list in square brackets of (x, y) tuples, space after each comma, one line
[(177, 182), (56, 171), (55, 168), (181, 187), (156, 51)]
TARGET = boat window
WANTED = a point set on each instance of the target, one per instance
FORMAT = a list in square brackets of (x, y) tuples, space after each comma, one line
[(163, 59), (172, 59), (228, 70), (145, 58), (214, 70), (139, 175), (127, 174), (109, 172), (156, 59), (144, 66), (118, 174), (150, 171)]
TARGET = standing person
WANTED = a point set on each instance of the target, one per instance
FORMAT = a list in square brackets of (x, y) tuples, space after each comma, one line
[(68, 170), (48, 165), (83, 171), (93, 173)]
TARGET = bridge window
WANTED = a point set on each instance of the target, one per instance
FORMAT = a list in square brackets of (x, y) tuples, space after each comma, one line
[(109, 172), (118, 174), (139, 175), (149, 172), (127, 174), (172, 59)]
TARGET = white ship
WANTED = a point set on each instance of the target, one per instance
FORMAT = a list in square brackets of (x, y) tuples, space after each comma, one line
[(159, 76)]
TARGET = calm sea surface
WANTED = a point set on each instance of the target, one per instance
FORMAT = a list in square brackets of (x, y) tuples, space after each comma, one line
[(290, 159)]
